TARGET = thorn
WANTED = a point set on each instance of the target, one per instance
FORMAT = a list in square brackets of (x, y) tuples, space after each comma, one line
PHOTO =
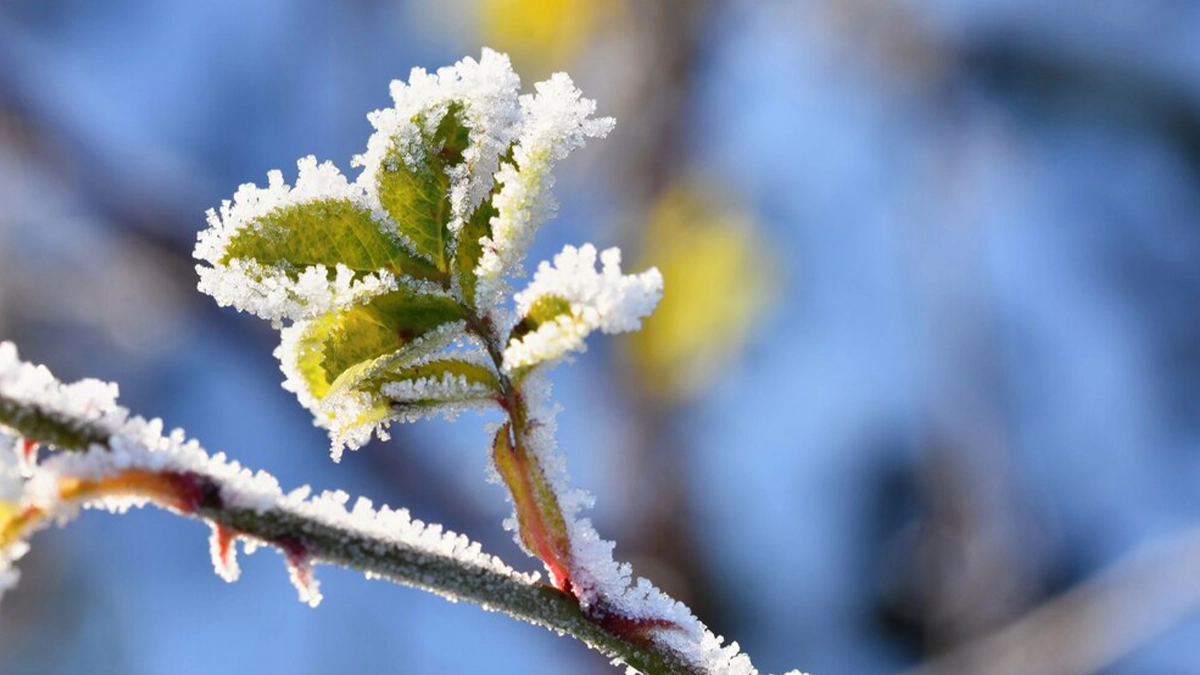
[(300, 571), (27, 455), (224, 552)]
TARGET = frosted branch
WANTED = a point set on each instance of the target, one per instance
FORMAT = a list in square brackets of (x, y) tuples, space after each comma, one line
[(118, 461)]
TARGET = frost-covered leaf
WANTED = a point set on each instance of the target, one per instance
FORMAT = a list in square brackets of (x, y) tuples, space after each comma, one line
[(413, 182), (433, 157), (296, 252), (387, 391), (470, 249), (404, 392), (555, 121), (327, 232), (436, 382), (542, 310), (337, 350), (384, 325), (569, 299)]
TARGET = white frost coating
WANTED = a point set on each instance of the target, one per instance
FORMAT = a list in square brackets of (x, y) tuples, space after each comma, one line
[(289, 353), (546, 127), (136, 443), (88, 400), (449, 388), (349, 430), (270, 294), (250, 203), (486, 89), (222, 546), (606, 300), (267, 291), (12, 490), (555, 121)]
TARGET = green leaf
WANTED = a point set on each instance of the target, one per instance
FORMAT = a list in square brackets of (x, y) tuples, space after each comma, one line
[(417, 197), (342, 347), (324, 232), (310, 355), (470, 239), (470, 248)]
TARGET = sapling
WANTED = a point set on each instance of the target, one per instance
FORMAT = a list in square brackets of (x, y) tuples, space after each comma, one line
[(394, 301)]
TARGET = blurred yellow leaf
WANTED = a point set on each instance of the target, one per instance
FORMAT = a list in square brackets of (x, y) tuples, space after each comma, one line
[(718, 279), (542, 34)]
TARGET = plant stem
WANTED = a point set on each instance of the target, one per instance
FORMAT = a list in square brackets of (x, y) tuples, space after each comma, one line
[(541, 524)]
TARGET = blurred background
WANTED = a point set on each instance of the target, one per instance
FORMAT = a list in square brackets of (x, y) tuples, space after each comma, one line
[(923, 395)]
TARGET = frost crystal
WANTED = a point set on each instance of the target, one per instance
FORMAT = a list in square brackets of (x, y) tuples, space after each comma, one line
[(606, 300)]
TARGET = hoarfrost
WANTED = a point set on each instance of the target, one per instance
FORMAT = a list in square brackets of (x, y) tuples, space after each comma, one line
[(267, 291), (606, 300), (448, 388), (487, 91), (346, 414), (555, 121), (539, 130), (604, 586), (12, 489), (87, 401)]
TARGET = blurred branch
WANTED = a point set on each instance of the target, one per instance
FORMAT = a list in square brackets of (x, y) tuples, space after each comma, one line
[(651, 157), (1092, 625), (1114, 91)]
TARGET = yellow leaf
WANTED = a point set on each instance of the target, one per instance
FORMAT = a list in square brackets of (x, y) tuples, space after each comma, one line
[(718, 276), (543, 34)]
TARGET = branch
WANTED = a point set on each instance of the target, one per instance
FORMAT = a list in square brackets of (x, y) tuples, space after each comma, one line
[(1090, 626), (117, 462)]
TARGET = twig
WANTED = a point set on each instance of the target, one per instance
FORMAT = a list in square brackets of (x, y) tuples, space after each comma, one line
[(1092, 625)]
